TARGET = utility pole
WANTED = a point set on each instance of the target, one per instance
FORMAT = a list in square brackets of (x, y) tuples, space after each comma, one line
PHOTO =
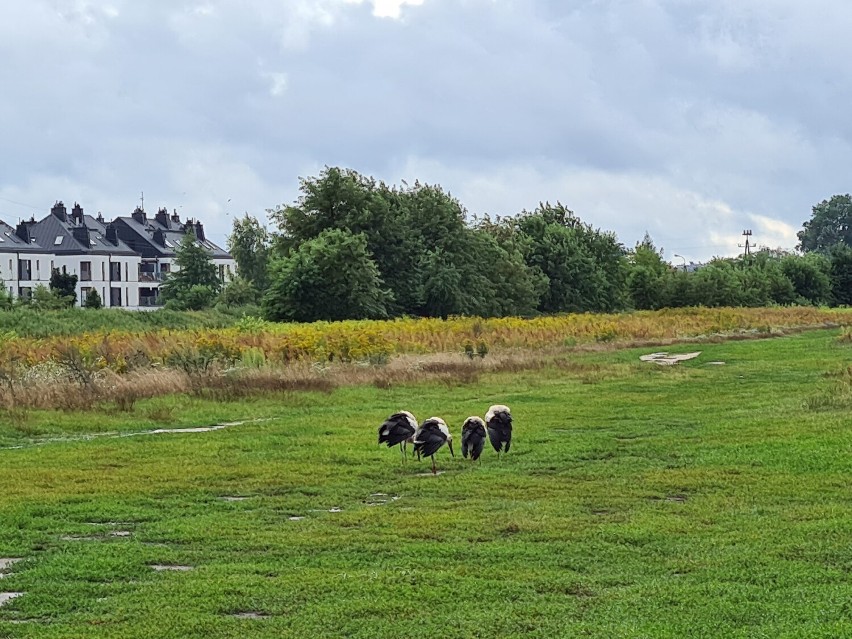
[(747, 245)]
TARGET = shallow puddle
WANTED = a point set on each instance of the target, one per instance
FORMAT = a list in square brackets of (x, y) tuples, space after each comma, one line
[(6, 597), (8, 562), (164, 568), (666, 359), (380, 499), (295, 518), (120, 533), (79, 538), (250, 615), (228, 498), (440, 472), (158, 431)]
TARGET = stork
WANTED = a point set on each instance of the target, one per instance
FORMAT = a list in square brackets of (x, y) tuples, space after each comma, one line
[(398, 429), (432, 435), (498, 421), (473, 437)]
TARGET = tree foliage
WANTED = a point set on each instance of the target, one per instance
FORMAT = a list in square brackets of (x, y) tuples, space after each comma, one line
[(420, 255), (196, 283), (331, 277), (64, 288), (830, 224), (93, 299), (249, 243)]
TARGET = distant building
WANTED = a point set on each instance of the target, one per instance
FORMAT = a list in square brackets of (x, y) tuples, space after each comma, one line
[(125, 260), (156, 240), (24, 264)]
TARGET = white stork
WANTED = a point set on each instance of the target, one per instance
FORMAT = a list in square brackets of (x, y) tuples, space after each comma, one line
[(398, 429), (473, 437), (432, 435), (498, 421)]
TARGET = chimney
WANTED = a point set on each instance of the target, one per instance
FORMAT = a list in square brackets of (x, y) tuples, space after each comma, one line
[(159, 237), (100, 217), (77, 214), (163, 218), (23, 232), (81, 234), (112, 234), (139, 215), (199, 231), (175, 216), (60, 211)]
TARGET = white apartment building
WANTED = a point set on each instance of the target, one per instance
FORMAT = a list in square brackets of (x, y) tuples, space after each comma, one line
[(125, 260)]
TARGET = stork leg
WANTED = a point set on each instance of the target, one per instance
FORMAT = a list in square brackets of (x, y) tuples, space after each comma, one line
[(434, 470), (402, 451)]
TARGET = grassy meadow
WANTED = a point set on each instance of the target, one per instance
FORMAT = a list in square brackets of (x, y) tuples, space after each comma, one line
[(698, 500)]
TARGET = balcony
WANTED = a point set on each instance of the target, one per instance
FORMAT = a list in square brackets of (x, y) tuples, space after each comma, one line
[(145, 276), (150, 300)]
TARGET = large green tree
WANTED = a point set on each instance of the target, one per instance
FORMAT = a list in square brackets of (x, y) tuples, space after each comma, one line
[(810, 275), (249, 243), (586, 268), (330, 277), (346, 200), (195, 283), (841, 274), (830, 224), (647, 272)]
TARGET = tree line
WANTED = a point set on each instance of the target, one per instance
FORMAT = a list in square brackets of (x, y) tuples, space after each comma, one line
[(354, 248)]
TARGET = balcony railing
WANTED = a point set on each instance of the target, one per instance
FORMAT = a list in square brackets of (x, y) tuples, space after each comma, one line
[(149, 301), (151, 277)]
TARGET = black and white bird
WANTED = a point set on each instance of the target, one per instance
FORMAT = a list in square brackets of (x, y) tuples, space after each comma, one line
[(398, 429), (473, 437), (498, 421), (433, 434)]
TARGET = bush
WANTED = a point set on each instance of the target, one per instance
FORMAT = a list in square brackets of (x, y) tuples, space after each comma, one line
[(93, 299)]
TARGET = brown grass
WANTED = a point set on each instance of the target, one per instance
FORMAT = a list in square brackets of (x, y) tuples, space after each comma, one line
[(69, 389)]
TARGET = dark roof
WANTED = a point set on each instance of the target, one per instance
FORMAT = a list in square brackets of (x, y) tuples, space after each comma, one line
[(11, 243), (88, 237), (157, 239)]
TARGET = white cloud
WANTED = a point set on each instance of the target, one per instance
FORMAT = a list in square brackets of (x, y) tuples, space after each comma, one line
[(277, 83)]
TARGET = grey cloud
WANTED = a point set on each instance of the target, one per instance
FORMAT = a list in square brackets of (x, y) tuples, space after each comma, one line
[(722, 102)]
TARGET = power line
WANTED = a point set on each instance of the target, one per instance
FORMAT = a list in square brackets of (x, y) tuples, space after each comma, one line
[(29, 206)]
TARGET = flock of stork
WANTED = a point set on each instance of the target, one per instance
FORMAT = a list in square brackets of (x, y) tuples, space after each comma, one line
[(401, 429)]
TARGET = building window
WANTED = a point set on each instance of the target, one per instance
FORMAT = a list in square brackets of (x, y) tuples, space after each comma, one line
[(25, 292), (25, 270), (126, 272), (115, 296), (103, 272), (114, 272), (84, 293), (85, 271)]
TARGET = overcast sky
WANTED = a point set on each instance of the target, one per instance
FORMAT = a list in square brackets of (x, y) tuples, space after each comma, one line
[(691, 119)]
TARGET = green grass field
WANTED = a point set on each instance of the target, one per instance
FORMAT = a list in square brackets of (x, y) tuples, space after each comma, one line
[(693, 501)]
